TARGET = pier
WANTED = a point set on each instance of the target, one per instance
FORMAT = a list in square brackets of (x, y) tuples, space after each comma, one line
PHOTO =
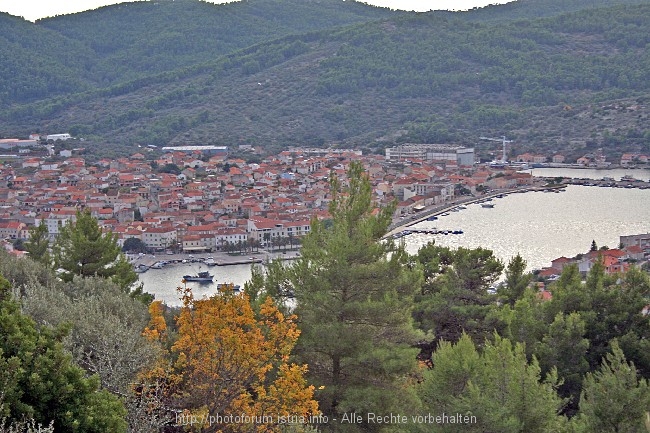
[(426, 232), (156, 261)]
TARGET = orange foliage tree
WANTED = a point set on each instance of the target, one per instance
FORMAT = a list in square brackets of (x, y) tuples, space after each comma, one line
[(157, 329), (233, 366), (152, 405)]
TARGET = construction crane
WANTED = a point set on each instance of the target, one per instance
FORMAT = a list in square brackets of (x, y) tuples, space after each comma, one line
[(503, 140)]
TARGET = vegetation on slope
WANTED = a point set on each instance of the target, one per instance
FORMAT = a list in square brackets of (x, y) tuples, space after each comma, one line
[(123, 42), (511, 360), (433, 77)]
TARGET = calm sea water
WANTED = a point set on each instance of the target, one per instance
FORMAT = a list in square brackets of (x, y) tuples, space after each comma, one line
[(539, 226), (542, 226), (591, 173), (163, 283)]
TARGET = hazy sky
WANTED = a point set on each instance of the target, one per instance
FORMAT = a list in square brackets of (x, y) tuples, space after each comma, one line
[(35, 9)]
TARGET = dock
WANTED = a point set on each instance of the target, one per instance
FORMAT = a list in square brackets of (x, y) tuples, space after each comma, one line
[(426, 232), (143, 263)]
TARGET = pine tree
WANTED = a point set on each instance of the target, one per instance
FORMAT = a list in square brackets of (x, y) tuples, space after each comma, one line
[(39, 381), (564, 348), (353, 297), (83, 249), (516, 280), (499, 388), (614, 399), (455, 297), (38, 244)]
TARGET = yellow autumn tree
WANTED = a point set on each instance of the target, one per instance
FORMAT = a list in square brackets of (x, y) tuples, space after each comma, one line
[(234, 366), (157, 328), (152, 405)]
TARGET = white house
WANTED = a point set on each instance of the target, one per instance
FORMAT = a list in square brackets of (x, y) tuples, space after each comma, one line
[(159, 237)]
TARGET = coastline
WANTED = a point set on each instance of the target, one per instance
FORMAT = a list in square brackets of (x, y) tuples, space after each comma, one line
[(584, 167), (148, 261), (436, 210), (541, 226)]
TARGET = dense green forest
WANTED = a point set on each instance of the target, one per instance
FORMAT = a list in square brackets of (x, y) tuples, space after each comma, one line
[(280, 73), (122, 42), (372, 330), (532, 9)]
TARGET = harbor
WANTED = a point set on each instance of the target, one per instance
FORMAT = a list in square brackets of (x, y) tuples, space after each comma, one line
[(543, 184), (444, 209), (541, 226), (145, 262)]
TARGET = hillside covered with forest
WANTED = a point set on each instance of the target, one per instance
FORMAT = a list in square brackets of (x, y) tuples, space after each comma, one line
[(551, 75)]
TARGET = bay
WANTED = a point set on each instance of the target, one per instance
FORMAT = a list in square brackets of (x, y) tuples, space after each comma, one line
[(591, 173), (539, 226), (164, 283), (542, 226)]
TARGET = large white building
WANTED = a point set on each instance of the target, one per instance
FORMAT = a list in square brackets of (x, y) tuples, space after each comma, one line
[(266, 231), (62, 137), (205, 150), (432, 152), (55, 220), (159, 238)]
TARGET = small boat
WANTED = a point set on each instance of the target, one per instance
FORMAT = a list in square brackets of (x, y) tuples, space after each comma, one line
[(158, 265), (487, 205), (201, 277), (210, 261), (225, 286), (141, 268)]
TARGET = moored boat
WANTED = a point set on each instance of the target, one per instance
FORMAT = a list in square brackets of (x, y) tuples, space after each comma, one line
[(226, 286), (201, 277), (141, 268)]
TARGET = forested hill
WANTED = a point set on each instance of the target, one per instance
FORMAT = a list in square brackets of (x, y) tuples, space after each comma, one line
[(533, 9), (38, 62), (132, 39), (122, 42), (435, 77)]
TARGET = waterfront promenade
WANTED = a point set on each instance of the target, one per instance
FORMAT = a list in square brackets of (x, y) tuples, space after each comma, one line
[(542, 183), (220, 258), (398, 225)]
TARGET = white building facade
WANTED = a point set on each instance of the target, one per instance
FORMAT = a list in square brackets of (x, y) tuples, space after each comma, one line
[(432, 152)]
